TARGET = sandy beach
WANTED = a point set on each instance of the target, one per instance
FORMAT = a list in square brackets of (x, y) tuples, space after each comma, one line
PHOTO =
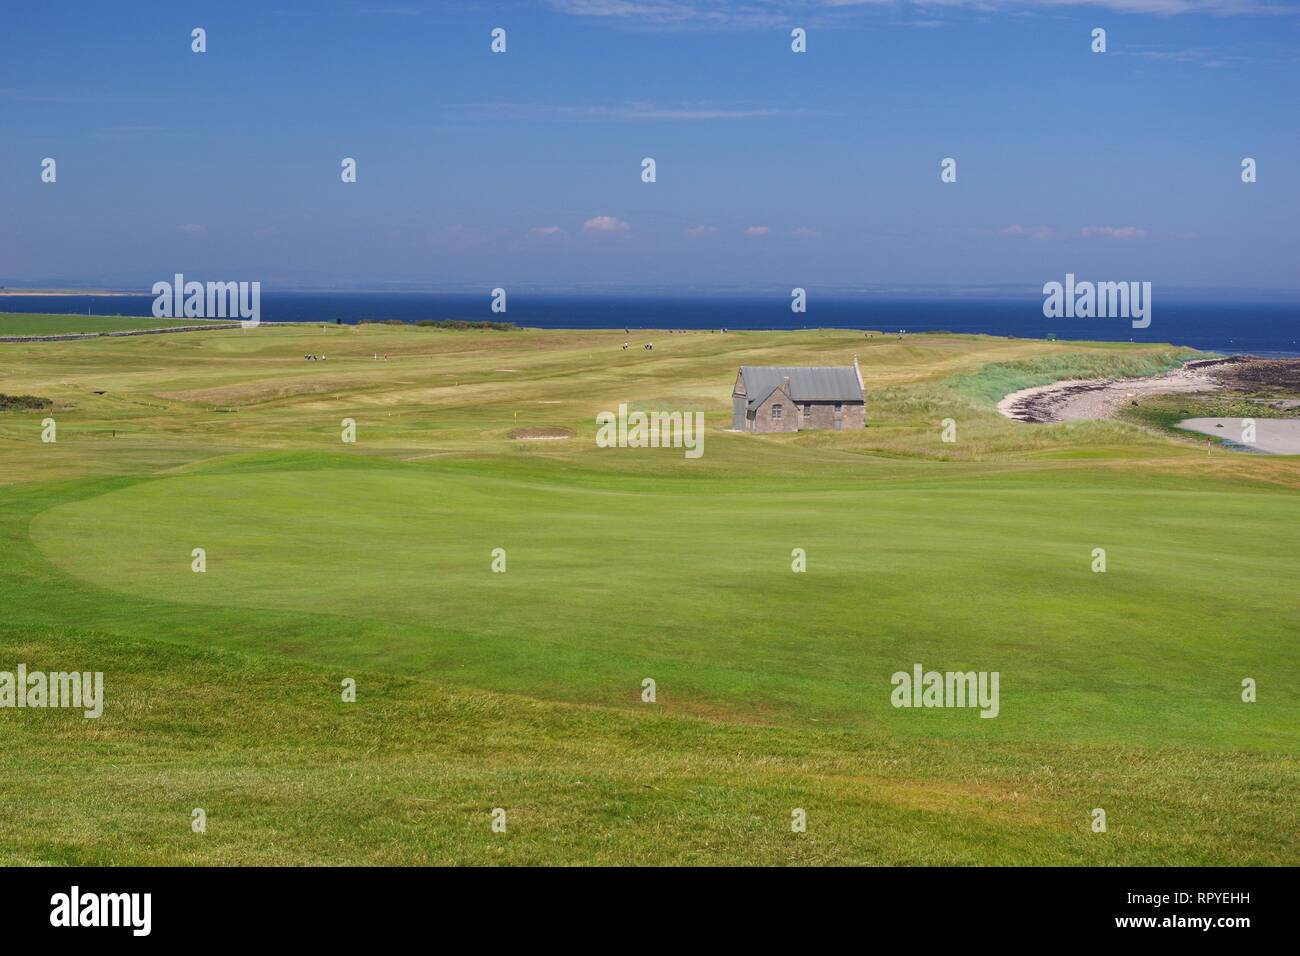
[(1099, 398)]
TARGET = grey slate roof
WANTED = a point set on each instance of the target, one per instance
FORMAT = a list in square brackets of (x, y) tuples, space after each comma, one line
[(808, 383)]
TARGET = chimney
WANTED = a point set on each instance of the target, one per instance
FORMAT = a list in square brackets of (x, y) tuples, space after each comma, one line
[(858, 371), (785, 386)]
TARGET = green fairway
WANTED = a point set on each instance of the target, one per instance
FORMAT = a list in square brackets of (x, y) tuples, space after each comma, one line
[(32, 323), (476, 689)]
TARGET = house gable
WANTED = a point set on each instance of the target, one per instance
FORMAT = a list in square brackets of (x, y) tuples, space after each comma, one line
[(776, 412)]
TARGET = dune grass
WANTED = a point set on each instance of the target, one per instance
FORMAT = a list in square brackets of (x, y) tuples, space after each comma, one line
[(998, 379), (522, 689)]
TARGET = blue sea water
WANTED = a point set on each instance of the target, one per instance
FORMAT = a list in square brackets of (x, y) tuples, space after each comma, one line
[(1221, 325)]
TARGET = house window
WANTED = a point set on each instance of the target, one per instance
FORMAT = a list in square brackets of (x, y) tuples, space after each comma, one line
[(807, 411), (776, 413), (839, 407)]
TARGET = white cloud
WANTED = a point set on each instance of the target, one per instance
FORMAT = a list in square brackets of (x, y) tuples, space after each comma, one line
[(757, 231), (1157, 7), (546, 231), (675, 12), (1210, 57), (1038, 233), (1112, 232), (648, 111), (803, 232), (607, 225), (628, 111), (697, 232), (771, 13)]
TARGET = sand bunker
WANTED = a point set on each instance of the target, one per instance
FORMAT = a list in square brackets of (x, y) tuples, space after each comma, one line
[(1276, 436), (541, 433)]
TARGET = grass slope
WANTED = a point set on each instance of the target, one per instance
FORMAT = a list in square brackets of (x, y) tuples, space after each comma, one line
[(522, 690)]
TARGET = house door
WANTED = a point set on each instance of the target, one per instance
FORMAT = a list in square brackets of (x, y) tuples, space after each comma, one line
[(839, 418)]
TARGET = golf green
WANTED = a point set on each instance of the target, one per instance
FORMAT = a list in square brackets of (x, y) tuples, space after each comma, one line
[(693, 586)]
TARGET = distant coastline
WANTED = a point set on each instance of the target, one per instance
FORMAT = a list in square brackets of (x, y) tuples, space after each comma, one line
[(1222, 325), (96, 293)]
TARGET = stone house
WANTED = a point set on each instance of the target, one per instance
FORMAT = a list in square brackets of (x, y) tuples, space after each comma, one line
[(791, 398)]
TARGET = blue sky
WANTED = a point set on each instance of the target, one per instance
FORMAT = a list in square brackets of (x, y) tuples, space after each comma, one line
[(774, 169)]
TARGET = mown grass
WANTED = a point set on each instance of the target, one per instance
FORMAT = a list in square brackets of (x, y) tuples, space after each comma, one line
[(37, 323), (522, 690), (409, 774)]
